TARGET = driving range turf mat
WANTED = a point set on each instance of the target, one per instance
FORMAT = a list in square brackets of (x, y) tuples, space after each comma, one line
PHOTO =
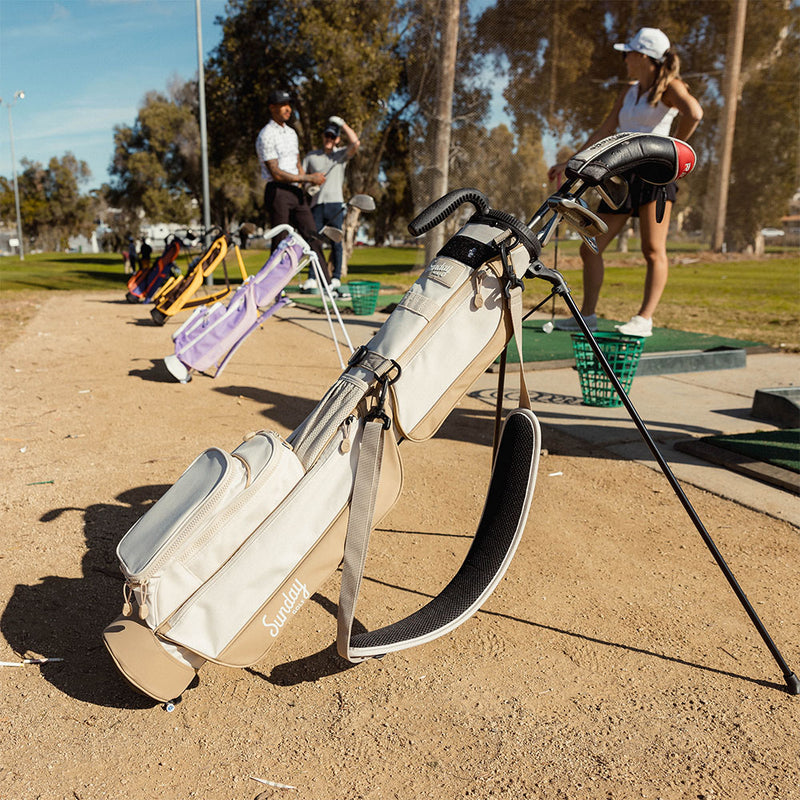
[(769, 456), (557, 346), (386, 302), (538, 346)]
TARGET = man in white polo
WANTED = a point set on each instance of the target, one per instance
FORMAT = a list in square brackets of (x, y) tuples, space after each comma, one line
[(279, 155)]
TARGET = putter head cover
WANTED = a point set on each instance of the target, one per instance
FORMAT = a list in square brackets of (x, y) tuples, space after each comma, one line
[(655, 159)]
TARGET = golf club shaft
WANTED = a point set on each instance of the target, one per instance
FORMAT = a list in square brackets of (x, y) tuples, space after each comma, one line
[(791, 679)]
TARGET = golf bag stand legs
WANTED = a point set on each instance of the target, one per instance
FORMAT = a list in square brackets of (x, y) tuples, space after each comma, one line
[(555, 278)]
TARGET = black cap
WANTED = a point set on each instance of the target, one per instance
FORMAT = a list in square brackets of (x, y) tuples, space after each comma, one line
[(279, 97), (333, 129)]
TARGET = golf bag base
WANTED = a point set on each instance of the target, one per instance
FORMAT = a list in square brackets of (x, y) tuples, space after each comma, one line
[(144, 662), (177, 368)]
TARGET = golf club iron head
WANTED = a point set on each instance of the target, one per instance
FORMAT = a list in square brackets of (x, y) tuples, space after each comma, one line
[(334, 234), (363, 202), (580, 218), (614, 191)]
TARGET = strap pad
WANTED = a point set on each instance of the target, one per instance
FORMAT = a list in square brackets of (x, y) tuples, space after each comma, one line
[(499, 531)]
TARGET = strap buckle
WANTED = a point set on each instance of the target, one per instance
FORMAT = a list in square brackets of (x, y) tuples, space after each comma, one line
[(358, 355), (386, 380), (512, 281)]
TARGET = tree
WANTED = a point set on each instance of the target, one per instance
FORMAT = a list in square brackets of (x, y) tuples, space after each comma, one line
[(422, 45), (766, 151), (156, 165), (564, 74), (509, 169), (369, 61), (51, 204), (334, 58)]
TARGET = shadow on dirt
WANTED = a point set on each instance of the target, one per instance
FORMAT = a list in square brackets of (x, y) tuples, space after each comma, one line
[(157, 372), (318, 665), (64, 617), (632, 648)]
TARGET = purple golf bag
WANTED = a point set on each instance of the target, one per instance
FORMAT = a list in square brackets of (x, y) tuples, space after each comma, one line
[(211, 335)]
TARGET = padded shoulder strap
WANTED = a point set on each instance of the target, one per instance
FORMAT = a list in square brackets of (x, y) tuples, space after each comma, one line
[(499, 531), (655, 159)]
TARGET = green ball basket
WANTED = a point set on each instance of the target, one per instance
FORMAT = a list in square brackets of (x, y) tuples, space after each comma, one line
[(621, 352), (364, 295)]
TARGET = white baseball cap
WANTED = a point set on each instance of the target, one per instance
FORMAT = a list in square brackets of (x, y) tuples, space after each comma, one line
[(651, 42)]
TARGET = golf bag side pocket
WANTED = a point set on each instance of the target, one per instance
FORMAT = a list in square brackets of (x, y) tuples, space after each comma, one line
[(202, 520), (449, 327)]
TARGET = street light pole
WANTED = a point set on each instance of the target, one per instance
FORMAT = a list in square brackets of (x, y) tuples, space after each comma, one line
[(17, 96), (201, 82)]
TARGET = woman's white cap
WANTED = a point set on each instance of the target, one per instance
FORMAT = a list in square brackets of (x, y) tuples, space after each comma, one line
[(652, 42)]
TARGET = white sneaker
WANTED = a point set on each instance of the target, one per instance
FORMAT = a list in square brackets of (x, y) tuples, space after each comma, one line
[(569, 324), (638, 326)]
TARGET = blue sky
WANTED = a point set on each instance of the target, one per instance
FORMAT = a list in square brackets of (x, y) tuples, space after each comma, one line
[(86, 65)]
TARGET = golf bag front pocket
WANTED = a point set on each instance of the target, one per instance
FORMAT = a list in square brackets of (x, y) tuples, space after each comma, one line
[(238, 614), (202, 520)]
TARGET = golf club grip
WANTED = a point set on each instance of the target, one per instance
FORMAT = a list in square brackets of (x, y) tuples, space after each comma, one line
[(441, 209)]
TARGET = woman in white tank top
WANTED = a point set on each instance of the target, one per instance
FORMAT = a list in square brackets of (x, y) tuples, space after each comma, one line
[(649, 105)]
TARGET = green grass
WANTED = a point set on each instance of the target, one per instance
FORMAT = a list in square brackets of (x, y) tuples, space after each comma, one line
[(755, 299), (97, 271)]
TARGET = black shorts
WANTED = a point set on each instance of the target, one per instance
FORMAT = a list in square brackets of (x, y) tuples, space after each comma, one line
[(640, 193)]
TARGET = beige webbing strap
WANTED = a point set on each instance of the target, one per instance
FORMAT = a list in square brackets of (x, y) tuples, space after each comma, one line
[(515, 309), (515, 304), (359, 527)]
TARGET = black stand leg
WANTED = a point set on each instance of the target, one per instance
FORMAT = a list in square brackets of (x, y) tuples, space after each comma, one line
[(792, 681)]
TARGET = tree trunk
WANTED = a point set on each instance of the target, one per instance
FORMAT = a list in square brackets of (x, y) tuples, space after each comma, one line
[(434, 239), (350, 230), (733, 64)]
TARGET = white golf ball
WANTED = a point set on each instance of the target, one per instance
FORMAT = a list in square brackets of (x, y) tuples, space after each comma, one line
[(547, 327)]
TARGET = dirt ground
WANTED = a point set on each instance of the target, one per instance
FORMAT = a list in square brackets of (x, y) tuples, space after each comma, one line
[(612, 662)]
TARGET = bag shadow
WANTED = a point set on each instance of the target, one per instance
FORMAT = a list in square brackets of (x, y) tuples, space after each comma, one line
[(64, 617)]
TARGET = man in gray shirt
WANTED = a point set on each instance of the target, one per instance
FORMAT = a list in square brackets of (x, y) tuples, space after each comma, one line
[(327, 201)]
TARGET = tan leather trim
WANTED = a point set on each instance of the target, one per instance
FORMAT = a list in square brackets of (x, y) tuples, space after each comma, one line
[(144, 662)]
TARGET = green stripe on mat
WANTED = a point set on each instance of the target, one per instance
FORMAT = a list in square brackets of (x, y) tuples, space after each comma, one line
[(780, 448), (315, 301), (540, 346)]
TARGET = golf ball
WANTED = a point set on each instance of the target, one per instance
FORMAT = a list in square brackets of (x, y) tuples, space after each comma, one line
[(547, 327)]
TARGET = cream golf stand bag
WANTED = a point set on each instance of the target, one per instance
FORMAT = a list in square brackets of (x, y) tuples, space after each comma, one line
[(220, 564)]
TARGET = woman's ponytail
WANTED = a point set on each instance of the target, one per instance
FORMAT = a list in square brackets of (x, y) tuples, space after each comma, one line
[(668, 70)]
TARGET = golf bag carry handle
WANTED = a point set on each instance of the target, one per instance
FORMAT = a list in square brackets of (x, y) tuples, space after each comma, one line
[(440, 210), (655, 159), (437, 212)]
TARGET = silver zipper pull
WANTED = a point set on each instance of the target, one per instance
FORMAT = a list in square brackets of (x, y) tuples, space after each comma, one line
[(281, 440)]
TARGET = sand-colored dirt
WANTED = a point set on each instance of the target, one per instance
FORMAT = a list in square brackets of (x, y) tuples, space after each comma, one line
[(613, 661)]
